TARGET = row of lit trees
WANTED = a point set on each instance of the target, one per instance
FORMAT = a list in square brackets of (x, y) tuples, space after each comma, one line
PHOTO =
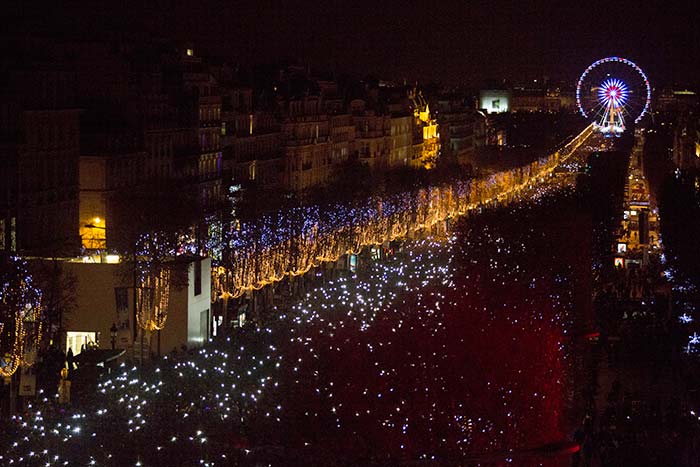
[(291, 242), (158, 230)]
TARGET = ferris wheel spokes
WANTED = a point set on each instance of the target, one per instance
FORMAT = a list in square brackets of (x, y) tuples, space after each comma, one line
[(613, 95)]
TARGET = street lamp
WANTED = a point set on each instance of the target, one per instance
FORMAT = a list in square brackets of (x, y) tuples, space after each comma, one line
[(113, 335), (94, 234), (95, 224)]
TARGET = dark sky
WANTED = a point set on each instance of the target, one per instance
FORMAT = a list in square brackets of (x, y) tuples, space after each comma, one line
[(446, 40)]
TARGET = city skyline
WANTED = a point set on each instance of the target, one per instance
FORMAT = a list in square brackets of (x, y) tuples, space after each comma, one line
[(453, 43), (332, 234)]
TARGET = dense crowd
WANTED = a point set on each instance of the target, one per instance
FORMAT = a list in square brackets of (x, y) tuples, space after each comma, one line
[(640, 395), (449, 347), (465, 346)]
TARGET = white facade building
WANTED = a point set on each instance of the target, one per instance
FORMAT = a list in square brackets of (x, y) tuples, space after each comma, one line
[(104, 297)]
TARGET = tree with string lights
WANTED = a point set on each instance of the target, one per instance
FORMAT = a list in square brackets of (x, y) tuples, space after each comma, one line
[(20, 320), (155, 230), (20, 315)]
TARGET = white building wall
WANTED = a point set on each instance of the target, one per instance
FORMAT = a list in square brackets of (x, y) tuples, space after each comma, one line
[(96, 310), (199, 306)]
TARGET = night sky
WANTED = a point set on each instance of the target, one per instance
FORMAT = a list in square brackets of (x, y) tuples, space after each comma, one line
[(448, 41)]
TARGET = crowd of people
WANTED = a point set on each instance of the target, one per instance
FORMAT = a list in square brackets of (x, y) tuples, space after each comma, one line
[(640, 391), (467, 346)]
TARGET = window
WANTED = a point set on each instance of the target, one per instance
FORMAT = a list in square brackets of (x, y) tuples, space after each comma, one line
[(198, 277), (79, 341)]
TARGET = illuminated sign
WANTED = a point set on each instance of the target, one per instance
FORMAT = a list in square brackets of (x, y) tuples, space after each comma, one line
[(353, 263), (621, 247), (494, 100), (619, 262)]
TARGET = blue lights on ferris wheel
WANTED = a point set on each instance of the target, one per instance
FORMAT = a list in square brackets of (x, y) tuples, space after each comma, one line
[(613, 92)]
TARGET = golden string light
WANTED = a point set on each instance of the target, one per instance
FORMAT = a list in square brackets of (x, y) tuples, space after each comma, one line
[(14, 358), (30, 352), (153, 299), (261, 265), (20, 310)]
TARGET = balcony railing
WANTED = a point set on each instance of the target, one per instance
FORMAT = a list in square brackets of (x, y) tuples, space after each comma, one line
[(291, 141)]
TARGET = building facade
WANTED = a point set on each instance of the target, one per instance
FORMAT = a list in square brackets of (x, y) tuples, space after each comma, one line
[(104, 297), (306, 132), (686, 142)]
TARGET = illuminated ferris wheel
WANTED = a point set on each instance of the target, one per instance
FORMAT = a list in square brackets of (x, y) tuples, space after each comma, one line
[(612, 93)]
